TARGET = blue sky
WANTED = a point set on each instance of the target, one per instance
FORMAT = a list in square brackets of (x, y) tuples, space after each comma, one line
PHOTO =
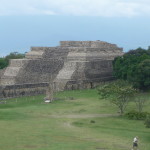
[(26, 23)]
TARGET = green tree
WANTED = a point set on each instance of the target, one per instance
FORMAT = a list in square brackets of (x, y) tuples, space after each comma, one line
[(5, 60), (118, 93), (14, 55), (147, 121), (140, 100), (3, 63), (134, 66), (142, 78)]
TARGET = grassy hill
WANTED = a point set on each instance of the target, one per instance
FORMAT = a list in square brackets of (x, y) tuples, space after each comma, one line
[(77, 120)]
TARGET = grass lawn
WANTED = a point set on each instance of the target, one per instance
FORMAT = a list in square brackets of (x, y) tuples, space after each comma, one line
[(77, 120)]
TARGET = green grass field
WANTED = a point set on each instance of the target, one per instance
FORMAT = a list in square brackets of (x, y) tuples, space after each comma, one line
[(77, 120)]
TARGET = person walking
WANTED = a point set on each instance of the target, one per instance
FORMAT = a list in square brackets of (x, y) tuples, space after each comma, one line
[(135, 143)]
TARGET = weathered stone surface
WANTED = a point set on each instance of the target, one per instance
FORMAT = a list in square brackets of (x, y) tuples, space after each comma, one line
[(1, 74), (74, 64), (10, 91)]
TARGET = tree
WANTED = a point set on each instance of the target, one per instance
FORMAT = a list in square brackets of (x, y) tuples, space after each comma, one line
[(140, 99), (142, 78), (134, 66), (118, 93), (5, 60), (14, 55), (147, 121), (3, 63)]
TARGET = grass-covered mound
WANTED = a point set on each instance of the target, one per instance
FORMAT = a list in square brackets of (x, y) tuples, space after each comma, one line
[(76, 120)]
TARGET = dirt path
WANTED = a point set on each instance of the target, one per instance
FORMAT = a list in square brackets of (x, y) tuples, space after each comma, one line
[(84, 116), (69, 126)]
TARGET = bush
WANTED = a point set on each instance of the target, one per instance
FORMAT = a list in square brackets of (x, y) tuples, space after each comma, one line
[(147, 121), (134, 115), (92, 121), (79, 124)]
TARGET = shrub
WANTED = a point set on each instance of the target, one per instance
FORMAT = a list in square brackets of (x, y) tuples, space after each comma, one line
[(92, 121), (147, 121), (134, 115), (71, 98), (79, 124)]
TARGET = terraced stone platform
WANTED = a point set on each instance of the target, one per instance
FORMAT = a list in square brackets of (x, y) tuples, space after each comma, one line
[(73, 64)]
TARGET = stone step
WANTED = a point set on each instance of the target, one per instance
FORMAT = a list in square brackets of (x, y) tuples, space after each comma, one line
[(11, 71), (76, 56), (7, 81), (34, 54), (17, 62), (64, 74), (67, 71)]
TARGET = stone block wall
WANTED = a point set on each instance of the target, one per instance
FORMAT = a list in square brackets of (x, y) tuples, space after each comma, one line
[(11, 91), (89, 44), (38, 71), (1, 74)]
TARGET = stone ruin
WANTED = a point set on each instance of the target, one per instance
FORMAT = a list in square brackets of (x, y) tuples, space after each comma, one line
[(73, 65)]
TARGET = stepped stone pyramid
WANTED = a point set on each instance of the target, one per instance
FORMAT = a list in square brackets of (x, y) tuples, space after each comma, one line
[(72, 63)]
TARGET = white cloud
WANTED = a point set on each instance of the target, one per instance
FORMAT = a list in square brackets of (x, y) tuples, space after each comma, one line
[(109, 8)]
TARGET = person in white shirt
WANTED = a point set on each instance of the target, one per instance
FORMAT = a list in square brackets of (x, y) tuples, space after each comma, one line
[(135, 143)]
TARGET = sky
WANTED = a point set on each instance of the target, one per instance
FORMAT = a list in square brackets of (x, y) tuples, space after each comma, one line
[(27, 23)]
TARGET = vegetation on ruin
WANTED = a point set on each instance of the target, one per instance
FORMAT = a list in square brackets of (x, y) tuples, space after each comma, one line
[(4, 61), (76, 120), (134, 66)]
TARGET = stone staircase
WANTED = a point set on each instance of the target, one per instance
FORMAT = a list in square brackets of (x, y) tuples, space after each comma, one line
[(12, 71), (67, 71), (70, 68), (65, 74), (35, 54)]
